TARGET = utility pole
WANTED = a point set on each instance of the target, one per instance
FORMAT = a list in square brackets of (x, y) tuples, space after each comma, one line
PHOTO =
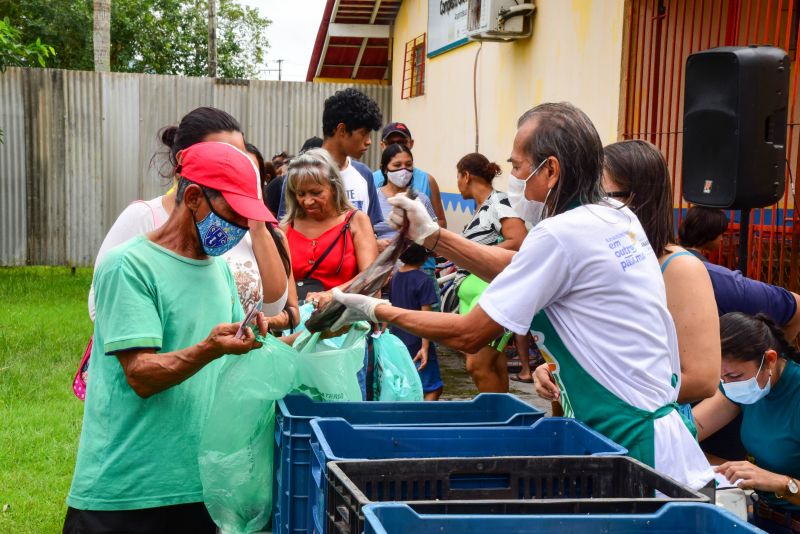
[(279, 69), (212, 38), (101, 35)]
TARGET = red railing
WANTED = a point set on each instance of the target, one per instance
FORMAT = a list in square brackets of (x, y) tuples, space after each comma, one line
[(659, 36)]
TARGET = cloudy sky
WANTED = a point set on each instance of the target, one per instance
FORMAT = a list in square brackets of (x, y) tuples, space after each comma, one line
[(291, 34)]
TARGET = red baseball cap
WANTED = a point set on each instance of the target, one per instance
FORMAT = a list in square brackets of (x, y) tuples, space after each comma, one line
[(230, 171)]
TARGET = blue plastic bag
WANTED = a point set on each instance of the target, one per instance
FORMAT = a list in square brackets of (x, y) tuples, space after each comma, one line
[(236, 450), (396, 377), (327, 369)]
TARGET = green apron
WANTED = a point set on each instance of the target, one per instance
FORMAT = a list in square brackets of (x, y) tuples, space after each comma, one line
[(593, 404)]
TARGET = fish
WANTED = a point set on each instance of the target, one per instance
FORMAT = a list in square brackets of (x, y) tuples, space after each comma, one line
[(369, 281)]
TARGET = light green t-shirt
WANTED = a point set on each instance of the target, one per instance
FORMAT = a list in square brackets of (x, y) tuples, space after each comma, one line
[(142, 453)]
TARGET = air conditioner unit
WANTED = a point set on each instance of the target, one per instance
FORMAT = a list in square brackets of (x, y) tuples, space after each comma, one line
[(499, 20)]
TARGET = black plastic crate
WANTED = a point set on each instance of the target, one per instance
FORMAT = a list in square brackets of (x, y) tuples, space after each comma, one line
[(499, 485)]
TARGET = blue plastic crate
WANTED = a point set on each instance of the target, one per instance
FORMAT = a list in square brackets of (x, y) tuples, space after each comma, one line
[(672, 518), (336, 439), (293, 430)]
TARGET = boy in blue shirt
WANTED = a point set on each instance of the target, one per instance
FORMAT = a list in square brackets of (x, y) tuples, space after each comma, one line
[(412, 289)]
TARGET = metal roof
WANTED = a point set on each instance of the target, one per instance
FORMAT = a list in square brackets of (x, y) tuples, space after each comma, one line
[(353, 40)]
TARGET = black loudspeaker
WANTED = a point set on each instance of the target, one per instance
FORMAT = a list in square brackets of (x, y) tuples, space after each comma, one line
[(734, 127)]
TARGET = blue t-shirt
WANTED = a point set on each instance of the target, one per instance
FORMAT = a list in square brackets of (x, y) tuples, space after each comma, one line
[(419, 179), (736, 293), (411, 290), (771, 431)]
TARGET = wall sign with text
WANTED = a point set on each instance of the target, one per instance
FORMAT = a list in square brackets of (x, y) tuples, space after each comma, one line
[(447, 25)]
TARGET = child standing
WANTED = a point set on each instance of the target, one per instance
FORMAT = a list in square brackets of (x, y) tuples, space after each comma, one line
[(413, 289)]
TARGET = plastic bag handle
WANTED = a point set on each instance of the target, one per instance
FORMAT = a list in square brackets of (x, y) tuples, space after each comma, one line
[(356, 331), (310, 343)]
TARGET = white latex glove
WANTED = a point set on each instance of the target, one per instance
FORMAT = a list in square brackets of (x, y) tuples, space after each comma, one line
[(359, 308), (420, 224)]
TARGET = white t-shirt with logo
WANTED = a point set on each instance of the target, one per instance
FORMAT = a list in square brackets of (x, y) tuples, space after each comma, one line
[(355, 187), (596, 275)]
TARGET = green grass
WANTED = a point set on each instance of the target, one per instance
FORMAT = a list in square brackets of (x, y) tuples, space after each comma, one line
[(44, 328)]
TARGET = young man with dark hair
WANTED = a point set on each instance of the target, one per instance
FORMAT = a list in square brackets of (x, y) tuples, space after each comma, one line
[(348, 120), (398, 133)]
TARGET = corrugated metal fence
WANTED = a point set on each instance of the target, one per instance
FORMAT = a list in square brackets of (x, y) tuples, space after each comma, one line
[(80, 146)]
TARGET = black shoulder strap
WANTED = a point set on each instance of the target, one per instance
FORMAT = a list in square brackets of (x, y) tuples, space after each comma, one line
[(330, 247)]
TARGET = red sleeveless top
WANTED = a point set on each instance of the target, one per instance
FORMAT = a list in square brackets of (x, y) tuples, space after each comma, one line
[(338, 267)]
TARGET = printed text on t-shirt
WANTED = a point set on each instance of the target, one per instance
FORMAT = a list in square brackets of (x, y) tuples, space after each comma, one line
[(626, 249)]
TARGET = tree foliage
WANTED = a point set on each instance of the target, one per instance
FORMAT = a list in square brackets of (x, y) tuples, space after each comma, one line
[(15, 53), (149, 36)]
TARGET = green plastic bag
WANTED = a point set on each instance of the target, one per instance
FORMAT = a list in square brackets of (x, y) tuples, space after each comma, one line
[(396, 376), (305, 312), (327, 369), (236, 450)]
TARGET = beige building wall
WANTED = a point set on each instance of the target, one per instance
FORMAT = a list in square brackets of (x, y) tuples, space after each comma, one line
[(574, 55)]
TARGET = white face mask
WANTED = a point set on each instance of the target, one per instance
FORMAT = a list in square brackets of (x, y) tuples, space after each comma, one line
[(748, 391), (401, 177), (531, 211)]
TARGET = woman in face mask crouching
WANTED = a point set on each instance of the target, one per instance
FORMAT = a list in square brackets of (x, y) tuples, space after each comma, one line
[(760, 379)]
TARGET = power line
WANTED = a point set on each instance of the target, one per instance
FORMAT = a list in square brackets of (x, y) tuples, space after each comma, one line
[(279, 69)]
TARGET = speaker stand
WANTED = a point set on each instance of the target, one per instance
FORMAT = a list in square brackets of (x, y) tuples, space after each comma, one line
[(744, 234)]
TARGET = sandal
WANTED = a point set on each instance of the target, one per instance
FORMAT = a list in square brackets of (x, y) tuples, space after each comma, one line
[(516, 378)]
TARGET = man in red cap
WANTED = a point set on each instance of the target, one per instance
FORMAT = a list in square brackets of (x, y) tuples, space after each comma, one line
[(167, 313)]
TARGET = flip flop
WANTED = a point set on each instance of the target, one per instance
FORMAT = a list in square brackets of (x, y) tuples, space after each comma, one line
[(515, 377)]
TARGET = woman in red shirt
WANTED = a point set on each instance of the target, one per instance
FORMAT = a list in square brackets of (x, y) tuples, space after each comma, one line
[(330, 240)]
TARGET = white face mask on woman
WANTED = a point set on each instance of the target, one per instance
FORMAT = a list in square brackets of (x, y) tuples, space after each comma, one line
[(401, 177), (748, 391), (531, 211)]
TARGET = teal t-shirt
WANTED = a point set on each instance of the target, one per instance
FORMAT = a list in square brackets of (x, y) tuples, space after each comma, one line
[(771, 431), (142, 453)]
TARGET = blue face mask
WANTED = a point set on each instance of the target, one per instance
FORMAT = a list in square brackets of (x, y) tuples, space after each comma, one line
[(217, 235), (748, 391)]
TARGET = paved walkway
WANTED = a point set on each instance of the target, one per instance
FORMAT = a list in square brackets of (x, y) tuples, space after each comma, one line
[(458, 385)]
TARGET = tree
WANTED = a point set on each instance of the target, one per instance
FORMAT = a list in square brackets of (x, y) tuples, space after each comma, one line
[(14, 53), (150, 36), (101, 34)]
